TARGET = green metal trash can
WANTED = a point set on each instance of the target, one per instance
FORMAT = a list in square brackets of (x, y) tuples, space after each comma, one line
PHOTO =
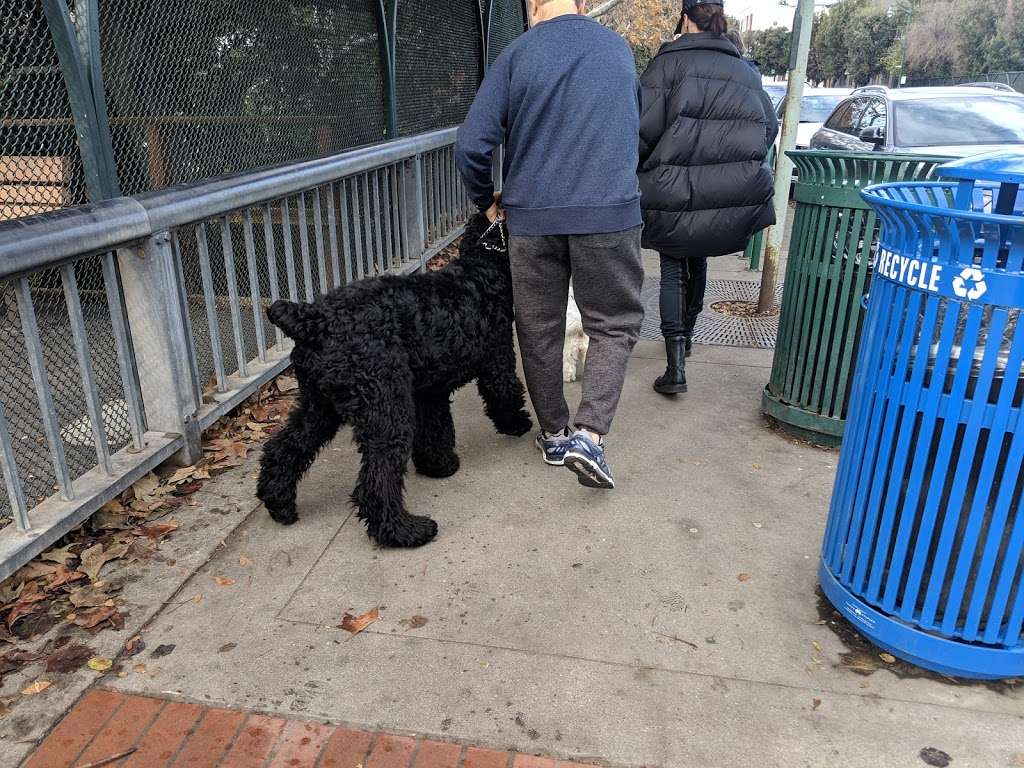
[(827, 276)]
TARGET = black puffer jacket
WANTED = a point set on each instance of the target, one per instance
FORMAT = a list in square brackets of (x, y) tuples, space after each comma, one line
[(705, 131)]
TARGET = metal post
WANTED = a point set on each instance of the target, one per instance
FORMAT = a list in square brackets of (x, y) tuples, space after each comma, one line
[(387, 28), (413, 207), (93, 143), (162, 349), (803, 20)]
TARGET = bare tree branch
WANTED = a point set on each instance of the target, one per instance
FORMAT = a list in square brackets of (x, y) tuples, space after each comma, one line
[(604, 8)]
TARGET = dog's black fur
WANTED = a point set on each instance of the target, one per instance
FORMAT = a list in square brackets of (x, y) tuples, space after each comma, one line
[(385, 355)]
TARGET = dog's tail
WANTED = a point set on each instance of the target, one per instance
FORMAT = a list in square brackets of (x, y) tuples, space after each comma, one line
[(300, 321)]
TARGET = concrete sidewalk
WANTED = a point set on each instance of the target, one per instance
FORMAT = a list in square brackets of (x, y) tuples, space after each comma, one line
[(674, 622)]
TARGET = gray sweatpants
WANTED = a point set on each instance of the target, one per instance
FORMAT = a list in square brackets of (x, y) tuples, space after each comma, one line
[(607, 275)]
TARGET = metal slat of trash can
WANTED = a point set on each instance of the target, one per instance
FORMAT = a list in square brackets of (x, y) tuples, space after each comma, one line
[(924, 547), (827, 275)]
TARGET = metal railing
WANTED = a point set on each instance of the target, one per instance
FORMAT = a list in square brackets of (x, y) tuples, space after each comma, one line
[(131, 325)]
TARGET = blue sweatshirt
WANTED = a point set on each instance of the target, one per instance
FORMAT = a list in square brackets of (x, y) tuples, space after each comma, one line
[(564, 98)]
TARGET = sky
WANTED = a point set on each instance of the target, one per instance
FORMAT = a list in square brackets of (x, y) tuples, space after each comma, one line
[(761, 14)]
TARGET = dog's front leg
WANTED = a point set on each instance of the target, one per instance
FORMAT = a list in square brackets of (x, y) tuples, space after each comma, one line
[(384, 429), (433, 451), (503, 393), (287, 455)]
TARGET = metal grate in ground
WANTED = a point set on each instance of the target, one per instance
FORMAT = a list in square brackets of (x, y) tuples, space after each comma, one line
[(713, 327)]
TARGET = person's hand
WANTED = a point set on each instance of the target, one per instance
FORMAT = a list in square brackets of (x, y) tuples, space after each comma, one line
[(495, 211)]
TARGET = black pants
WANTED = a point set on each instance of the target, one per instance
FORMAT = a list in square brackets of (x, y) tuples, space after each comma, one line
[(683, 283)]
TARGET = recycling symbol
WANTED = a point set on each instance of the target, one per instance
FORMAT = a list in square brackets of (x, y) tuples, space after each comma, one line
[(970, 284)]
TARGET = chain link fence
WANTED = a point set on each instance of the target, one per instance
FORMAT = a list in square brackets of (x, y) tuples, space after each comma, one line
[(205, 88), (199, 89), (40, 166), (435, 78), (507, 22), (1013, 79)]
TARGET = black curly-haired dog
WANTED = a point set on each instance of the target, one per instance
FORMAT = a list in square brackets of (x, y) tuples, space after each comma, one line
[(385, 355)]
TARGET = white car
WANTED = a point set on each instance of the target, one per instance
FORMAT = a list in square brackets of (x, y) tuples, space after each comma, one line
[(815, 107)]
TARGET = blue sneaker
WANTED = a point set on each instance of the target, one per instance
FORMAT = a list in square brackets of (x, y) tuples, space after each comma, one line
[(553, 447), (586, 459)]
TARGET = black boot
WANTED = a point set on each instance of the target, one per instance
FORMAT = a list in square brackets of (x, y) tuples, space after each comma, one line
[(689, 343), (674, 380)]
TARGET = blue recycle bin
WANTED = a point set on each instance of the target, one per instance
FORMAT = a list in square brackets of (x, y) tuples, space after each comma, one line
[(924, 547)]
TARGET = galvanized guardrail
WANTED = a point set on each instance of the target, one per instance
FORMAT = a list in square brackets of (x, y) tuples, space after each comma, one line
[(133, 324)]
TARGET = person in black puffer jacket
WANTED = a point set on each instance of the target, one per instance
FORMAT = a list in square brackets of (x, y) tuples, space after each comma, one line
[(705, 186)]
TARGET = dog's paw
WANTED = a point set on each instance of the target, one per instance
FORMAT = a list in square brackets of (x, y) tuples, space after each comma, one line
[(436, 465), (516, 425), (407, 531), (285, 515)]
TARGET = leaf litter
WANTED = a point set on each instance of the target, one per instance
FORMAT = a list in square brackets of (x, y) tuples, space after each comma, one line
[(69, 583), (356, 624)]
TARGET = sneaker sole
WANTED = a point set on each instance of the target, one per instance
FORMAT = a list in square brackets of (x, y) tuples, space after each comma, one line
[(549, 462), (671, 389), (588, 472)]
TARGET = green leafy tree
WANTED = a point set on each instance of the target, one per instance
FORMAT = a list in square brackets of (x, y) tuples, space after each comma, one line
[(869, 41), (831, 48), (770, 47)]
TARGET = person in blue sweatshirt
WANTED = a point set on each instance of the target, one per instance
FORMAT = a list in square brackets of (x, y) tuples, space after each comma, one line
[(564, 99)]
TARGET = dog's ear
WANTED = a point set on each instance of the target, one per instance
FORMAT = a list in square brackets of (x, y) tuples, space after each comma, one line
[(301, 322)]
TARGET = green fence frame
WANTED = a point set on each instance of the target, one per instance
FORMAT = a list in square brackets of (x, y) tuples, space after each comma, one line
[(827, 277)]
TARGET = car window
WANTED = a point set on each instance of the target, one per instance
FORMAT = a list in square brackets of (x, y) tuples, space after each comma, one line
[(982, 119), (816, 107), (873, 115), (842, 118)]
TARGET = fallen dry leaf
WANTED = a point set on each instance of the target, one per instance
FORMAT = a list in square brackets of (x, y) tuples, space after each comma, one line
[(37, 687), (356, 624), (95, 557), (63, 576), (99, 664), (817, 646), (243, 560), (5, 709), (149, 488), (139, 669), (224, 581), (815, 703), (195, 472), (28, 603), (96, 616), (744, 576), (162, 650), (286, 384), (159, 530), (227, 647), (94, 594), (415, 622), (34, 570), (69, 658), (61, 555), (888, 658)]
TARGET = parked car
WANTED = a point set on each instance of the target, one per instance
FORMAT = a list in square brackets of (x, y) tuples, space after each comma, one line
[(816, 105), (955, 121), (776, 91)]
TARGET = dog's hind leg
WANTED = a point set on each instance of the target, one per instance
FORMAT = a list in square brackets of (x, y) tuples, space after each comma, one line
[(503, 393), (433, 451), (290, 453), (384, 426)]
